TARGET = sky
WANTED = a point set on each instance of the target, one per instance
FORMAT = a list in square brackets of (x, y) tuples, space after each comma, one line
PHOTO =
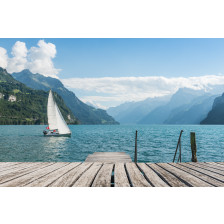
[(108, 72)]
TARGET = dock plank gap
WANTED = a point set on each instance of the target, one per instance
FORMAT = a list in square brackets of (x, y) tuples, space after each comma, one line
[(117, 171)]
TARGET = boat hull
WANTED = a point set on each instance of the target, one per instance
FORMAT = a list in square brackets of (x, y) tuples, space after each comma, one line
[(49, 134)]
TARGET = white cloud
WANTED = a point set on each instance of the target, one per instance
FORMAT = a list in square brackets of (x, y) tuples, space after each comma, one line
[(37, 59), (115, 90), (92, 101), (102, 102), (19, 60), (3, 58), (40, 59)]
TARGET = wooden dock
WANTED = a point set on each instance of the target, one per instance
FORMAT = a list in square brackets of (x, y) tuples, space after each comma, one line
[(107, 174), (112, 157)]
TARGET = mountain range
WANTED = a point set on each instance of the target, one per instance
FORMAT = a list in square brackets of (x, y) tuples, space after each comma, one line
[(192, 113), (84, 113), (186, 106), (178, 109), (20, 104), (23, 100), (132, 112)]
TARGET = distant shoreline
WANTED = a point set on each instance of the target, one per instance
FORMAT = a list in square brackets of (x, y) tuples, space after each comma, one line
[(47, 124)]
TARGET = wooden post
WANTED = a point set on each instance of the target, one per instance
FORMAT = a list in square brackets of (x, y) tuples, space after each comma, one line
[(193, 147), (179, 140), (136, 134), (179, 158)]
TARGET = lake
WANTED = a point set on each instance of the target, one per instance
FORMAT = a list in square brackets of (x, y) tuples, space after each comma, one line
[(156, 143)]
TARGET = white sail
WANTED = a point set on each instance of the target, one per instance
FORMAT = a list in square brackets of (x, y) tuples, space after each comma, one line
[(62, 125), (55, 118), (51, 112)]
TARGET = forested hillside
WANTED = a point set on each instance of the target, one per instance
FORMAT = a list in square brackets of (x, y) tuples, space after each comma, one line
[(22, 105)]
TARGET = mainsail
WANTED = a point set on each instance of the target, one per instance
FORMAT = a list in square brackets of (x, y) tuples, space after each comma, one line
[(55, 118), (51, 112)]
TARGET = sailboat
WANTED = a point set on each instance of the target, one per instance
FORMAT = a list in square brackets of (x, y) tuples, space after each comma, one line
[(56, 123)]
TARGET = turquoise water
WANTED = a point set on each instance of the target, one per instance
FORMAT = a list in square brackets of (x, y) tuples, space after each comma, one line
[(156, 143)]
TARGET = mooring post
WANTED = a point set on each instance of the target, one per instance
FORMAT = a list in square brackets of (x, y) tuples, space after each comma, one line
[(179, 158), (179, 142), (136, 135), (193, 147)]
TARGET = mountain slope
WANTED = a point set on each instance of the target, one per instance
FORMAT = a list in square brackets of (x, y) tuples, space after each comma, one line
[(85, 113), (191, 113), (132, 112), (216, 115), (160, 114), (22, 105)]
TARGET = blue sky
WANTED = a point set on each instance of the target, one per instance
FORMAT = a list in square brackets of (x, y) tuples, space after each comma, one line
[(83, 65), (133, 57)]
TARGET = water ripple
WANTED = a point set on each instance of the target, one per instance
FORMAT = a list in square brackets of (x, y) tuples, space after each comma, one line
[(156, 143)]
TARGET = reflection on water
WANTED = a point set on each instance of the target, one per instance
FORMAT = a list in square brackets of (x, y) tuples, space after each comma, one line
[(55, 146), (56, 142), (156, 143)]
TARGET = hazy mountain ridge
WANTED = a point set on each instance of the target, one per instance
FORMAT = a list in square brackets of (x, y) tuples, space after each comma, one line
[(85, 113), (132, 112), (22, 105), (186, 106), (192, 113), (216, 115)]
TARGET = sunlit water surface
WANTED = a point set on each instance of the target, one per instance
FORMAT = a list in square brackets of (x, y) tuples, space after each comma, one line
[(156, 143)]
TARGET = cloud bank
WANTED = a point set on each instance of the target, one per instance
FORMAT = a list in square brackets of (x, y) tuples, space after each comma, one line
[(122, 89), (38, 59), (19, 60), (3, 58)]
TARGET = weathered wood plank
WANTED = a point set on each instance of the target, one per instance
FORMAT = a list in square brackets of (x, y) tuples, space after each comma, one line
[(18, 173), (87, 178), (15, 168), (190, 179), (109, 153), (7, 164), (152, 176), (111, 160), (26, 179), (214, 166), (103, 178), (201, 165), (117, 157), (68, 179), (135, 176), (108, 157), (209, 173), (46, 180), (170, 178), (217, 165), (98, 174), (108, 160), (120, 176), (105, 156), (204, 177)]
